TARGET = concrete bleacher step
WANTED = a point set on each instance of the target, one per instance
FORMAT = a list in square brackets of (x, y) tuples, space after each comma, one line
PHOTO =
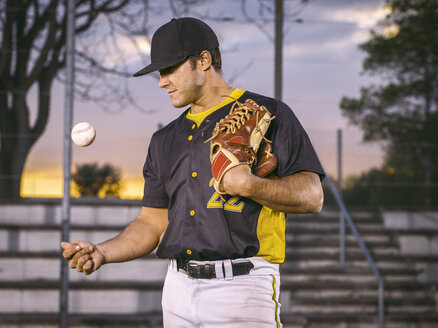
[(51, 319), (329, 296), (43, 284), (315, 291), (28, 237), (327, 217), (364, 304), (41, 296), (323, 286), (81, 301), (332, 225), (41, 266), (118, 295), (355, 274), (333, 241), (321, 230), (357, 320), (333, 238), (154, 320), (356, 255), (352, 250), (320, 260), (349, 299)]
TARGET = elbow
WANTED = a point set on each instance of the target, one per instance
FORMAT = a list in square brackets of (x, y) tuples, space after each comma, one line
[(318, 204), (316, 201)]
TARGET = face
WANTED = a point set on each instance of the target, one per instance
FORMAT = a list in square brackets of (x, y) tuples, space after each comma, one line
[(182, 83)]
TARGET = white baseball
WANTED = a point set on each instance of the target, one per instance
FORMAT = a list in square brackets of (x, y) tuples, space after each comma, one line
[(83, 134)]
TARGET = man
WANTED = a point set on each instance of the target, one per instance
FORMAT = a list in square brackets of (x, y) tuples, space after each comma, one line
[(224, 253)]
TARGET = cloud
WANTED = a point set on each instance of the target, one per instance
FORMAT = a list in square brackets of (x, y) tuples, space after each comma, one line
[(334, 4), (332, 30), (363, 18)]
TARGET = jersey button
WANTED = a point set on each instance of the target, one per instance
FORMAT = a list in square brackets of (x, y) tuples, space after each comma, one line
[(194, 174), (189, 252), (190, 137), (192, 212)]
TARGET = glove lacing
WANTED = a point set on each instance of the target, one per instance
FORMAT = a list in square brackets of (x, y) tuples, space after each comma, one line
[(236, 118)]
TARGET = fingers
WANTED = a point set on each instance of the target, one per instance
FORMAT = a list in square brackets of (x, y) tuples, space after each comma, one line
[(88, 267), (83, 256), (90, 262), (79, 255), (69, 250), (236, 180), (85, 264)]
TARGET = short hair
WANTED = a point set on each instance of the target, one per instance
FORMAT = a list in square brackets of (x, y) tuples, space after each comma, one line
[(216, 59)]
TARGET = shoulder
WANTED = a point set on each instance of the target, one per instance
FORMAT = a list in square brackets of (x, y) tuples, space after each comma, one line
[(165, 133), (285, 118), (275, 106)]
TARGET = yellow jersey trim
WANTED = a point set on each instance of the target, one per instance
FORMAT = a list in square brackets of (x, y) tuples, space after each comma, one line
[(199, 117), (271, 230)]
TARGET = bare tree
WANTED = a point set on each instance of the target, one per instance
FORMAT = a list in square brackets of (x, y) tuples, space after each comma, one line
[(32, 53), (32, 58)]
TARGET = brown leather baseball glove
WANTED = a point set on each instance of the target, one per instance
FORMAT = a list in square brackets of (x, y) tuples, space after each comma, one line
[(239, 139)]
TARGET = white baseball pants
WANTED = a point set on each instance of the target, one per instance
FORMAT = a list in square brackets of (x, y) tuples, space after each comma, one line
[(250, 300)]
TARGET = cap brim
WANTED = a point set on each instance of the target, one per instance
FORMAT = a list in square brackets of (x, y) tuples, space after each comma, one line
[(159, 65)]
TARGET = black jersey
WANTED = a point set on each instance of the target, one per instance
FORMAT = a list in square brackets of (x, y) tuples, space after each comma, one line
[(202, 226)]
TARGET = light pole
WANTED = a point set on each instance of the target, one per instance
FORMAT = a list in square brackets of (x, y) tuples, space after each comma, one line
[(68, 118), (278, 56), (278, 74)]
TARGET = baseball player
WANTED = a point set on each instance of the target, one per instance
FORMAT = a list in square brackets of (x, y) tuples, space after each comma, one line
[(224, 237)]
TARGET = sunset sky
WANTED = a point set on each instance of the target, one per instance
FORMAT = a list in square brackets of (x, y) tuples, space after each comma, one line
[(322, 63)]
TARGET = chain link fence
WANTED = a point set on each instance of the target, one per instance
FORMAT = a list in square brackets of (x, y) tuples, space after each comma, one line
[(373, 174), (384, 175)]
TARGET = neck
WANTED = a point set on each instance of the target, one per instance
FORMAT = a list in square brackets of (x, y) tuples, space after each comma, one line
[(212, 94)]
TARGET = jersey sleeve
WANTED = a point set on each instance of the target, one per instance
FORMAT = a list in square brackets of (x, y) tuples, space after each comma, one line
[(292, 145), (154, 192)]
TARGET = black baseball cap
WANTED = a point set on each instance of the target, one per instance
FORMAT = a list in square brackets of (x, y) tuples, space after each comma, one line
[(173, 42)]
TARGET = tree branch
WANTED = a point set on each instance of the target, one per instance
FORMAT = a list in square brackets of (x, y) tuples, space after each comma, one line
[(40, 62), (6, 46), (40, 21), (101, 67)]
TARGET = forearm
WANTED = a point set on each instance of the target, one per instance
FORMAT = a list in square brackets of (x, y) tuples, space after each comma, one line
[(139, 238), (133, 242), (297, 193)]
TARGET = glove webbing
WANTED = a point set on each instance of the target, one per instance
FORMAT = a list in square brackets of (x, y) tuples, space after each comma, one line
[(236, 118)]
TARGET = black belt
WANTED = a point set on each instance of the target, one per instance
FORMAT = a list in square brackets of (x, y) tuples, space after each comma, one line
[(208, 271)]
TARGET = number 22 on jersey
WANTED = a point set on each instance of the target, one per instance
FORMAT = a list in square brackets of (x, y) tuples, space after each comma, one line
[(234, 204)]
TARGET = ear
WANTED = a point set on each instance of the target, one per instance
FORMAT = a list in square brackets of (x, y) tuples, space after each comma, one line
[(204, 61)]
